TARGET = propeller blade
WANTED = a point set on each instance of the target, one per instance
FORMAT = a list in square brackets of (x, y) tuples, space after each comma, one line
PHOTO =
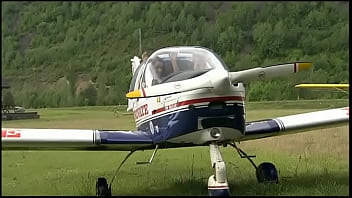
[(260, 73), (219, 80), (215, 78)]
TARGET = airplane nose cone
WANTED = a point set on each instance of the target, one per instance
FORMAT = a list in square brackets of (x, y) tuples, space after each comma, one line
[(220, 80)]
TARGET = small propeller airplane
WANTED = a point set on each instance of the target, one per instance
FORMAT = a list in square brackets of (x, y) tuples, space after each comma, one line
[(183, 97)]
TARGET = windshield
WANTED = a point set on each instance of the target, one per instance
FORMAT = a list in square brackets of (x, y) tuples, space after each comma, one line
[(179, 63), (134, 78)]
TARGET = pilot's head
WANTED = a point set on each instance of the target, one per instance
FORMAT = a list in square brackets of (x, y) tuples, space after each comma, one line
[(145, 56), (157, 65), (198, 62)]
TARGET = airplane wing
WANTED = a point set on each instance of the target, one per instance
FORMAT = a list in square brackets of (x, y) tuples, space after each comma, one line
[(328, 86), (73, 139), (76, 139), (340, 87), (296, 123)]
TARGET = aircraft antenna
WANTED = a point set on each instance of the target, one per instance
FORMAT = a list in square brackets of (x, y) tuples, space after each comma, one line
[(140, 41)]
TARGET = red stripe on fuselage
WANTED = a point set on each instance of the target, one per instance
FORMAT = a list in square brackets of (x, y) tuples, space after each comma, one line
[(143, 92), (213, 99), (159, 110), (200, 100)]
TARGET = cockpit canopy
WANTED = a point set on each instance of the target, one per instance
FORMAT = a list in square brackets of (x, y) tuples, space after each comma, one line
[(175, 64)]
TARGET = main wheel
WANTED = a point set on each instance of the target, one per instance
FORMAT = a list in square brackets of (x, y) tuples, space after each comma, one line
[(266, 172), (102, 188)]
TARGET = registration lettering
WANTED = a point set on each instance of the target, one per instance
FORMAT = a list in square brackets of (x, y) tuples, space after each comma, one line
[(10, 133), (347, 109), (141, 111), (171, 106)]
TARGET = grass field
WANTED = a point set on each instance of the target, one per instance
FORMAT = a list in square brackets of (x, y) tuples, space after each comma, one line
[(312, 163)]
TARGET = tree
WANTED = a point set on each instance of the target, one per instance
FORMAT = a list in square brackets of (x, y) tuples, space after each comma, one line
[(89, 96), (8, 99), (67, 38), (263, 39), (102, 92)]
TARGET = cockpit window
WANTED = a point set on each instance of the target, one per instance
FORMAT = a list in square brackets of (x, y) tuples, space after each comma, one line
[(134, 78), (180, 63)]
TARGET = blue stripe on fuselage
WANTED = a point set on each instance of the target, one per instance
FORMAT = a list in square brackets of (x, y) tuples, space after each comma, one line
[(186, 121)]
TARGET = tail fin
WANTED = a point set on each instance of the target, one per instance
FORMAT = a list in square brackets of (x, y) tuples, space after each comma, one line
[(135, 63)]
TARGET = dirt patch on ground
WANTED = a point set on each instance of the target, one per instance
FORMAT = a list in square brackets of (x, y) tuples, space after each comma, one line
[(82, 83), (61, 81)]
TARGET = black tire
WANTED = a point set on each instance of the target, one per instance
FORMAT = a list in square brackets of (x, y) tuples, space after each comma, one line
[(102, 188), (267, 173)]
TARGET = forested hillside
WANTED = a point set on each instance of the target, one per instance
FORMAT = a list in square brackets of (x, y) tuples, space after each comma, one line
[(58, 54)]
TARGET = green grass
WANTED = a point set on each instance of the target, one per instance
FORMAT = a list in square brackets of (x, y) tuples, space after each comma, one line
[(314, 163)]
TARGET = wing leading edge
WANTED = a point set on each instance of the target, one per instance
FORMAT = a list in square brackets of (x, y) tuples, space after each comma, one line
[(296, 123), (73, 139)]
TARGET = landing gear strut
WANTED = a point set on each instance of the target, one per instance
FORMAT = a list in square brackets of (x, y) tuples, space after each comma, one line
[(265, 172), (102, 187), (217, 184)]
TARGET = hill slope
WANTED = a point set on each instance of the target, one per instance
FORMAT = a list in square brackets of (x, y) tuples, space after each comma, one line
[(78, 53)]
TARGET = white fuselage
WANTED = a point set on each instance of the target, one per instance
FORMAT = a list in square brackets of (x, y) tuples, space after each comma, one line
[(188, 117)]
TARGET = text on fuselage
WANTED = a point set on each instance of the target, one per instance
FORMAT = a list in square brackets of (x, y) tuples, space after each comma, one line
[(141, 111)]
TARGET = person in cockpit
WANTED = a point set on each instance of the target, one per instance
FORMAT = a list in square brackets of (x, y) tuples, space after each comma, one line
[(173, 56), (159, 70), (145, 57), (199, 63), (179, 65), (162, 69)]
